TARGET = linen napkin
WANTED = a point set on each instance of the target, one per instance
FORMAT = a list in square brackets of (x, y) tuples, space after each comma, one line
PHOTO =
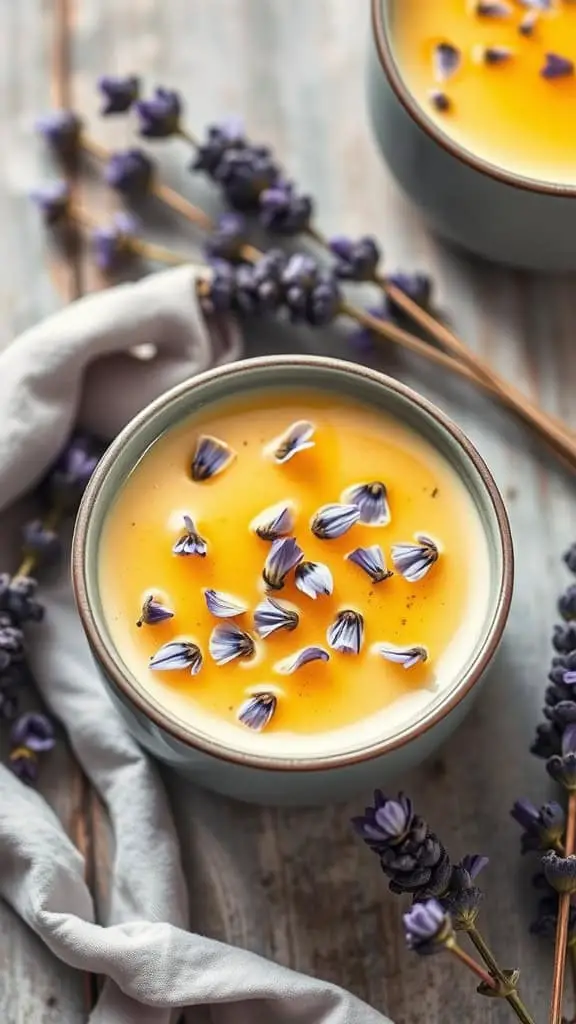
[(78, 366)]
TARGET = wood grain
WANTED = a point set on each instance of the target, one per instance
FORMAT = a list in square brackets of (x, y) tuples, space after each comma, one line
[(295, 885)]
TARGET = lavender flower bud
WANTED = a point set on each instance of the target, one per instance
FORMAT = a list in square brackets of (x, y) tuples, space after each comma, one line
[(417, 287), (564, 638), (428, 928), (227, 238), (548, 741), (543, 828), (119, 93), (567, 603), (24, 763), (61, 129), (311, 293), (463, 905), (560, 872), (130, 172), (160, 116), (34, 731), (67, 480), (284, 211), (41, 543), (53, 200), (244, 173), (112, 245), (570, 558), (356, 260), (17, 600), (228, 134), (218, 294), (11, 646)]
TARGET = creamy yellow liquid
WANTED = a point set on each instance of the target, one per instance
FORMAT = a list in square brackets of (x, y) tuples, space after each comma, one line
[(322, 706), (508, 115)]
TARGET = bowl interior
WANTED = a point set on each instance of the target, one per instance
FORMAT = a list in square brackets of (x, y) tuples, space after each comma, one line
[(291, 373)]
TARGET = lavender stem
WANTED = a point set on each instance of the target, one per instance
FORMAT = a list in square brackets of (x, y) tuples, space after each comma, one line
[(513, 999)]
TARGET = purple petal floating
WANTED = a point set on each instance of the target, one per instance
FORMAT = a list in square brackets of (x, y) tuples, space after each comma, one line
[(190, 543), (257, 711), (488, 9), (176, 655), (153, 612), (556, 66), (372, 500), (222, 605), (447, 59), (405, 656), (333, 521), (53, 200), (528, 23), (284, 555), (371, 561), (413, 561), (537, 5), (439, 100), (210, 457), (495, 55), (160, 115), (314, 578), (303, 657), (346, 632), (119, 92), (295, 439), (270, 615), (228, 642), (274, 522)]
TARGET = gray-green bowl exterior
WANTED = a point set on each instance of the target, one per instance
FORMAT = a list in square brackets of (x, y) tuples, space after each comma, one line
[(266, 779), (492, 213)]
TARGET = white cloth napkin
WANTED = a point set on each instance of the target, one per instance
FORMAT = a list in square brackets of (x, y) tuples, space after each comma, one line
[(77, 367)]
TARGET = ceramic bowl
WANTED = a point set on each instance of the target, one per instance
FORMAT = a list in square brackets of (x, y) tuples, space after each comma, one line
[(492, 212), (276, 779)]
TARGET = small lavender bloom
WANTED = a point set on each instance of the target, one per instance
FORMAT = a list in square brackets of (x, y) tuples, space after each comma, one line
[(130, 172), (417, 287), (547, 742), (543, 827), (222, 605), (567, 603), (8, 705), (228, 134), (244, 173), (218, 294), (283, 210), (18, 599), (284, 555), (346, 633), (34, 731), (274, 522), (387, 822), (53, 201), (177, 655), (113, 244), (563, 712), (334, 520), (270, 615), (160, 115), (211, 456), (414, 561), (228, 642), (119, 92), (61, 129), (492, 8), (153, 612), (562, 767), (258, 710), (41, 543), (11, 644), (495, 55), (190, 542), (227, 238), (570, 558), (372, 500), (556, 66), (447, 59), (560, 872), (467, 870), (68, 478), (24, 763), (439, 100), (564, 638), (314, 579), (428, 927), (371, 561), (355, 260), (311, 293)]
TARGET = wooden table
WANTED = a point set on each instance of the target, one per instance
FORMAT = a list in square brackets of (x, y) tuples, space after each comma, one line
[(298, 887)]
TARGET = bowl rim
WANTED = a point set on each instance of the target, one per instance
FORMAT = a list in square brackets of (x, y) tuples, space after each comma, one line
[(388, 63), (109, 659)]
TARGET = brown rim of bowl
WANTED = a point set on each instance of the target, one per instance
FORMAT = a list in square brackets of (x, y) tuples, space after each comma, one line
[(465, 156), (104, 650)]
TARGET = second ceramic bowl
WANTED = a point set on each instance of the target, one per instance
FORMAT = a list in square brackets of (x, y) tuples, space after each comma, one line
[(277, 779), (492, 212)]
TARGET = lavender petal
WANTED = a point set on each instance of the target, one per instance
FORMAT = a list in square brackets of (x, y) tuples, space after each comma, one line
[(228, 642), (496, 9), (333, 521), (295, 439), (284, 555), (346, 632), (303, 657), (556, 66), (211, 456), (447, 59), (222, 605), (153, 612), (190, 543), (372, 501), (270, 616), (313, 579), (257, 711), (274, 522), (371, 561), (175, 655), (414, 561), (405, 656)]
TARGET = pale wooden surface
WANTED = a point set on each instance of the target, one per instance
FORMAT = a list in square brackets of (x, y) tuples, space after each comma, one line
[(296, 885)]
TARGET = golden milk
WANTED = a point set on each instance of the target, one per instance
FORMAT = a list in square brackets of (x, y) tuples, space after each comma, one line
[(324, 703), (500, 107)]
